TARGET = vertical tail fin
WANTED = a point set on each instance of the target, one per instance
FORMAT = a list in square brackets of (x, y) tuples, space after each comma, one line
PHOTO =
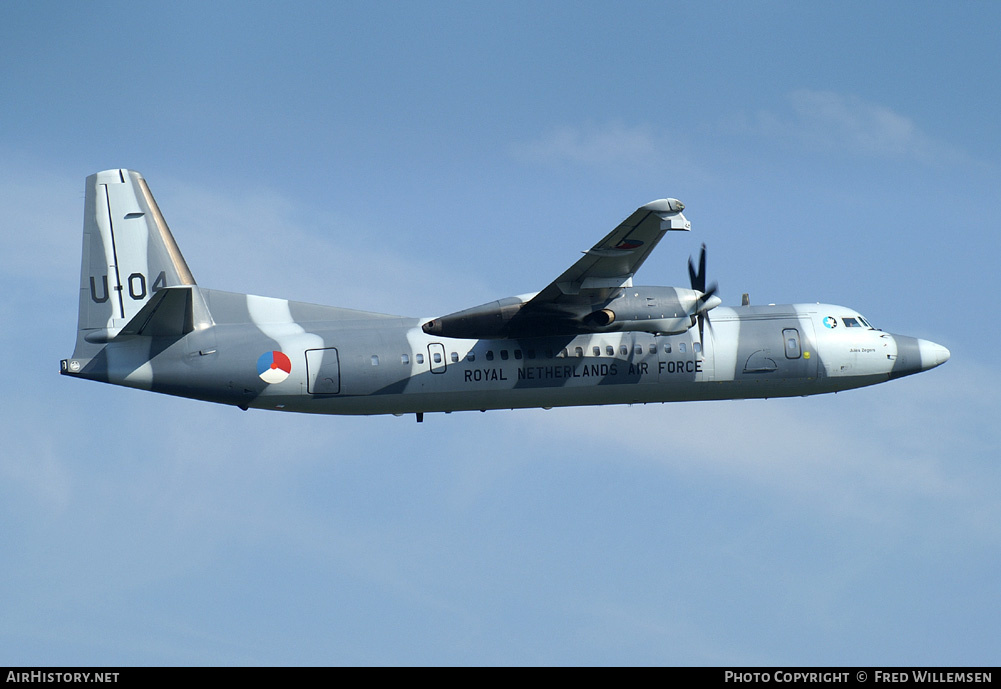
[(129, 254)]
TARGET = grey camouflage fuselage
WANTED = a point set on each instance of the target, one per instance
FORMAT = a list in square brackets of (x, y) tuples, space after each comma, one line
[(590, 338)]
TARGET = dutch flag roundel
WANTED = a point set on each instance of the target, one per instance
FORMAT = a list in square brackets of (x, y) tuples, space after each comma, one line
[(273, 367)]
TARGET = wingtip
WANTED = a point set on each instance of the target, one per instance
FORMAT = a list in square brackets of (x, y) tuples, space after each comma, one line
[(664, 206)]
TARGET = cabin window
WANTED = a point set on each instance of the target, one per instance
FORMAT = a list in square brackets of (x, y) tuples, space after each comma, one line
[(697, 346), (667, 348), (375, 359), (653, 349), (562, 354), (578, 352), (419, 358), (682, 347), (471, 357), (504, 354), (596, 351), (437, 357), (490, 355), (455, 357), (623, 350), (637, 349), (517, 354), (530, 353), (609, 350), (404, 358)]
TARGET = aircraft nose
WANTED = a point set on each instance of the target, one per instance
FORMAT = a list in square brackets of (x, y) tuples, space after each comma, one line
[(915, 356), (932, 354)]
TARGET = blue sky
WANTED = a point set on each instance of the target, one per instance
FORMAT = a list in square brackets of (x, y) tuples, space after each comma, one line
[(419, 158)]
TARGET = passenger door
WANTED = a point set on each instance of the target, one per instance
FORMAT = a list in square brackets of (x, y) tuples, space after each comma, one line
[(323, 371), (436, 357)]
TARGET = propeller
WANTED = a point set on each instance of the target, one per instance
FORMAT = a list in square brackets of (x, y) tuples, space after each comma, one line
[(698, 282)]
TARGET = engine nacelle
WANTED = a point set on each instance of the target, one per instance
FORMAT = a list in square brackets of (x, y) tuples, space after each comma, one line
[(601, 318), (607, 320), (486, 321), (661, 310)]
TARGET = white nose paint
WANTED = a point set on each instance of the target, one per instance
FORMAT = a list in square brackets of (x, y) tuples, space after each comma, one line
[(932, 354)]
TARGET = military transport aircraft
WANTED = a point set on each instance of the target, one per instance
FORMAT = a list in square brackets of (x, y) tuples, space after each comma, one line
[(590, 337)]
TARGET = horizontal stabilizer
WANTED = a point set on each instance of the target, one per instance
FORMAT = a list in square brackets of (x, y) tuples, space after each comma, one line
[(169, 313)]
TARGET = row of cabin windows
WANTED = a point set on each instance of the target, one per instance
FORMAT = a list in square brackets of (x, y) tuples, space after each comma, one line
[(578, 352)]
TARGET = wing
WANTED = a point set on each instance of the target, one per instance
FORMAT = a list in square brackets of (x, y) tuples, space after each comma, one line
[(611, 263), (604, 270)]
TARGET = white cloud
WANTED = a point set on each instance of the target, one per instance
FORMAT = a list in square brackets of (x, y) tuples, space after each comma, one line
[(592, 145), (255, 241), (117, 499), (877, 455), (829, 121)]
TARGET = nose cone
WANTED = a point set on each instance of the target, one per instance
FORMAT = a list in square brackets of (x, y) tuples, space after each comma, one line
[(932, 354), (915, 356)]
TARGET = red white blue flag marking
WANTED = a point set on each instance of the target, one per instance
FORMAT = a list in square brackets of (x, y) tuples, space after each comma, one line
[(274, 367)]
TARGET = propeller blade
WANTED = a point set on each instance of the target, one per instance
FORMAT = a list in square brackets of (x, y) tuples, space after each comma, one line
[(698, 279), (702, 269), (704, 320)]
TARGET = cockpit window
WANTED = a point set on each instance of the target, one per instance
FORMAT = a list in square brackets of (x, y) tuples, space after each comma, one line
[(851, 323), (865, 323)]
